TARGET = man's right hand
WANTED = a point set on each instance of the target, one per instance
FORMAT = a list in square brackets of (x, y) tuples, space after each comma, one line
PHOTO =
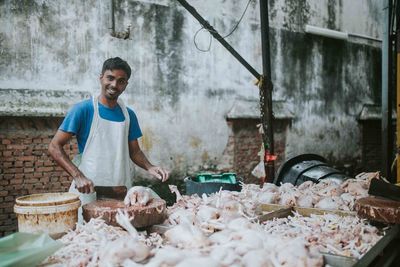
[(56, 150), (84, 185)]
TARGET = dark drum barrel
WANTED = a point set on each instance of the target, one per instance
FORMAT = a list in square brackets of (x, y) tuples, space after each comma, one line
[(306, 167)]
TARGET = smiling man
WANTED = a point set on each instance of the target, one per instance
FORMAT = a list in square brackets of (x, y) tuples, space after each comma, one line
[(107, 133)]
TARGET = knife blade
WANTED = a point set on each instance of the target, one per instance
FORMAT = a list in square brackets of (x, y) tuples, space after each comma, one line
[(384, 189), (111, 192)]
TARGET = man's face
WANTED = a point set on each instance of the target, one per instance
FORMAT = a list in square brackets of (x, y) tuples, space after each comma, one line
[(113, 83)]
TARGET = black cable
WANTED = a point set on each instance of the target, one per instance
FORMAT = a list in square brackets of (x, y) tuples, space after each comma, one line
[(223, 37), (195, 44), (237, 24)]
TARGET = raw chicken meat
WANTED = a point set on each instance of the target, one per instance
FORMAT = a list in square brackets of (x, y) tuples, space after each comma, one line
[(330, 203), (116, 252), (288, 198), (355, 188), (174, 189), (268, 197), (186, 235), (329, 233), (126, 247), (199, 262), (256, 258), (222, 230), (305, 200), (306, 185), (138, 195), (206, 213)]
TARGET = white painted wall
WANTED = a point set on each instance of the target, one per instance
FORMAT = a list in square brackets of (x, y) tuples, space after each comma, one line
[(181, 95)]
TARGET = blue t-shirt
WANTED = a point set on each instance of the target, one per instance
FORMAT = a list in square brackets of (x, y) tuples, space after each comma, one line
[(79, 119)]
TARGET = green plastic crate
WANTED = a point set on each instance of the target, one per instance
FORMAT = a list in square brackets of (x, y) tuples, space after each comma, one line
[(227, 178)]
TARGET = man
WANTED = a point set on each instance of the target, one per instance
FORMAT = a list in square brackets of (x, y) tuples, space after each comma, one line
[(107, 133)]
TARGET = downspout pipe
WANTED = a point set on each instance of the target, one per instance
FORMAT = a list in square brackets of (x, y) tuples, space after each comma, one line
[(337, 34)]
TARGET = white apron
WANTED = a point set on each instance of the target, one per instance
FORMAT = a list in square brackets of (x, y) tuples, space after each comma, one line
[(105, 159)]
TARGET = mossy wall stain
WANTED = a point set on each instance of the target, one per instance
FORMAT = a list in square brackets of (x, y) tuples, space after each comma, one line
[(205, 156), (297, 13), (331, 21), (195, 142), (168, 38), (326, 70), (147, 139)]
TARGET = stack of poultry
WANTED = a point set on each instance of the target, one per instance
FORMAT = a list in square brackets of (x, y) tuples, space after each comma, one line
[(222, 230), (328, 194)]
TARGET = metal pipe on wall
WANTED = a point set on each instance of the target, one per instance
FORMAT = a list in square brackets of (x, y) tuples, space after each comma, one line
[(337, 34), (326, 32)]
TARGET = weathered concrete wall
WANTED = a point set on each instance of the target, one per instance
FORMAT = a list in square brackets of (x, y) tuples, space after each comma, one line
[(181, 95)]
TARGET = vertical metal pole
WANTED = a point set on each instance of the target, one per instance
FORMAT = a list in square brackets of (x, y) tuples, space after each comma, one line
[(266, 95), (112, 17), (385, 83), (397, 6)]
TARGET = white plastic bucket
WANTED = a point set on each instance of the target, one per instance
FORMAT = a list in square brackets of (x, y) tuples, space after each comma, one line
[(52, 213)]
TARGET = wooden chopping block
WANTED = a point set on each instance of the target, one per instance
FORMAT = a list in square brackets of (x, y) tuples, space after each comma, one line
[(153, 213), (378, 209)]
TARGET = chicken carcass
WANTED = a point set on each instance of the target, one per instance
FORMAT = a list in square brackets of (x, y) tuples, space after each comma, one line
[(297, 255), (206, 213), (199, 262), (138, 195), (116, 252), (355, 187), (306, 185), (174, 189), (305, 200), (169, 256), (256, 258), (127, 247), (330, 203), (268, 197), (186, 235)]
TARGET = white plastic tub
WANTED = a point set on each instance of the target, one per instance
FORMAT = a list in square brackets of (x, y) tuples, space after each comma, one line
[(52, 213)]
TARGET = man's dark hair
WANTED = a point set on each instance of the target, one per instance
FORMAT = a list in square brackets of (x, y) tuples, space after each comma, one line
[(116, 63)]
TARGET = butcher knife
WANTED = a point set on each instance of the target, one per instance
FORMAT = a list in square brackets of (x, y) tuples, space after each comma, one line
[(111, 192)]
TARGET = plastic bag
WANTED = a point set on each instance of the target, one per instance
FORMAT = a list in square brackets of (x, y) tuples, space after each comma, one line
[(259, 170), (26, 249)]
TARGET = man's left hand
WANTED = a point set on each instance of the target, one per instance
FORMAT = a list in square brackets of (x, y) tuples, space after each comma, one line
[(159, 173)]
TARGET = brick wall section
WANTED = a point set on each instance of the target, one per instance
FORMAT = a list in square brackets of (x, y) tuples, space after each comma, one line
[(372, 145), (25, 166), (247, 143)]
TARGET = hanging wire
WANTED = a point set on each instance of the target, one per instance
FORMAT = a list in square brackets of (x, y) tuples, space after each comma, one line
[(223, 37), (195, 44), (237, 24)]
